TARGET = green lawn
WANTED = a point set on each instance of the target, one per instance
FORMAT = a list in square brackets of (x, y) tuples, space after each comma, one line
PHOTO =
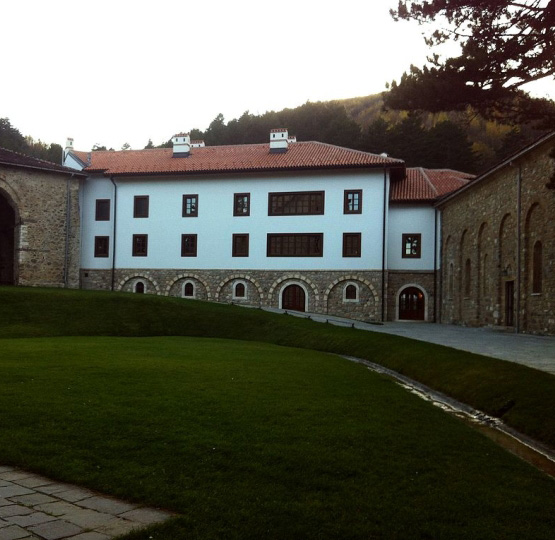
[(253, 440)]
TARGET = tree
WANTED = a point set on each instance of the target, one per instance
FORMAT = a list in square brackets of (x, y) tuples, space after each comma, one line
[(126, 146), (11, 138), (149, 145), (504, 45)]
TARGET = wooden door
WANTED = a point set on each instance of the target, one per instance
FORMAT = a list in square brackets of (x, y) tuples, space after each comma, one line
[(411, 304), (293, 297)]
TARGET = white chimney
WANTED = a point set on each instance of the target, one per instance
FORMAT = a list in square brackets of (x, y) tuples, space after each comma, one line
[(181, 145), (278, 141), (292, 139), (197, 144)]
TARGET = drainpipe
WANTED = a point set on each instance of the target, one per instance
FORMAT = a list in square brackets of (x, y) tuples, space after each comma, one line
[(384, 241), (68, 230), (114, 234), (518, 247), (437, 303)]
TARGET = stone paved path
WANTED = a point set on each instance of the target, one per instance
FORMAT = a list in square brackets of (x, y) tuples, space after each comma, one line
[(34, 507)]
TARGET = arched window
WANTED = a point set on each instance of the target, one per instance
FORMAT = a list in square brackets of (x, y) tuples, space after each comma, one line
[(140, 287), (467, 278), (239, 290), (485, 275), (189, 290), (350, 292), (537, 270), (451, 281)]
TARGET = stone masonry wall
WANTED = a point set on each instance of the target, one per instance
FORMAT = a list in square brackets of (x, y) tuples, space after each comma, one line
[(325, 289), (483, 250), (40, 201), (398, 280)]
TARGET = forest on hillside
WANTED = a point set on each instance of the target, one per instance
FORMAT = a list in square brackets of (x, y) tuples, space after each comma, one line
[(457, 140)]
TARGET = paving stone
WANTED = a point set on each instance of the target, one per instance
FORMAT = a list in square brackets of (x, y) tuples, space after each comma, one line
[(74, 495), (4, 523), (146, 516), (56, 529), (104, 504), (33, 499), (118, 526), (6, 483), (15, 475), (90, 536), (13, 533), (5, 502), (58, 508), (12, 491), (5, 469), (14, 510), (34, 481), (54, 488), (88, 519), (31, 519)]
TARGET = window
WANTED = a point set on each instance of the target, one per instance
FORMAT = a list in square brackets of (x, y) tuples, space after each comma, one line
[(295, 245), (189, 289), (101, 246), (102, 210), (350, 293), (467, 278), (140, 287), (188, 245), (351, 244), (240, 245), (352, 202), (296, 204), (190, 206), (411, 246), (239, 290), (140, 245), (537, 273), (242, 204), (140, 206)]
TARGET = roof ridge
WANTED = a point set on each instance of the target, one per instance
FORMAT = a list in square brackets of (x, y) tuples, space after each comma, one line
[(429, 181)]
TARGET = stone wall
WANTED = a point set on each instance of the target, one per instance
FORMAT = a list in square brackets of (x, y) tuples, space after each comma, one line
[(488, 245), (325, 290), (47, 226), (398, 280)]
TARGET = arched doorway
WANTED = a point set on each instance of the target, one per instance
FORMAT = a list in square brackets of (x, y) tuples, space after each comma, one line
[(293, 297), (412, 304), (7, 242)]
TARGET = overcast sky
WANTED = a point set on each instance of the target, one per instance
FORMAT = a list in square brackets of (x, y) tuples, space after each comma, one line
[(117, 71)]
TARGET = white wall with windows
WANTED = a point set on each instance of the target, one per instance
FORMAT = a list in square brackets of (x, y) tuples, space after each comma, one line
[(215, 222)]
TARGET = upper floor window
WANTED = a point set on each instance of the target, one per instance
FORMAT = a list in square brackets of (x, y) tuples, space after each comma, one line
[(240, 246), (295, 245), (351, 244), (352, 202), (188, 245), (296, 203), (190, 206), (102, 210), (242, 204), (101, 246), (140, 206), (140, 245), (412, 244)]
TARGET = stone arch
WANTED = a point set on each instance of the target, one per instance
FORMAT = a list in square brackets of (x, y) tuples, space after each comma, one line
[(534, 259), (365, 308), (483, 276), (411, 286), (254, 292), (202, 289), (507, 264), (9, 238), (127, 284), (459, 286), (294, 283), (298, 279)]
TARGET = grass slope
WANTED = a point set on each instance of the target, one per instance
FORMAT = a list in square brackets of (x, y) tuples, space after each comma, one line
[(524, 398), (249, 440)]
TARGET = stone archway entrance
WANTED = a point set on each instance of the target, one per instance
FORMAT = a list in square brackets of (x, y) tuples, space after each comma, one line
[(7, 242), (293, 297), (412, 304)]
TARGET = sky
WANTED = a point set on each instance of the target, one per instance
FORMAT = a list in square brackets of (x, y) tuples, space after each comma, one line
[(119, 71)]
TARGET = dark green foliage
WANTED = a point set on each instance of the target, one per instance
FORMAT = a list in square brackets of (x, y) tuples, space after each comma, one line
[(149, 145)]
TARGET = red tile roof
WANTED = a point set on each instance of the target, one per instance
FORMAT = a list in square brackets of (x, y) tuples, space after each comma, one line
[(15, 159), (229, 159), (426, 185)]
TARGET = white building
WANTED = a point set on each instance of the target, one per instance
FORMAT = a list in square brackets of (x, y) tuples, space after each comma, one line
[(298, 225)]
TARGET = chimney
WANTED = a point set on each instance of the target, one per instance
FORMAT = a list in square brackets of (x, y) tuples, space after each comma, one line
[(278, 141), (197, 144), (181, 145), (292, 139)]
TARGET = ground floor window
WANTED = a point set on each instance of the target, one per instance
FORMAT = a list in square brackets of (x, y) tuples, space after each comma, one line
[(140, 287)]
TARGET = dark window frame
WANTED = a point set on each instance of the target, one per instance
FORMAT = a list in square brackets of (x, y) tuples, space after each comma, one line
[(244, 290), (406, 239), (346, 202), (185, 286), (139, 212), (245, 208), (313, 207), (285, 244), (184, 212), (235, 247), (138, 250), (102, 210), (350, 249), (187, 251), (101, 250), (351, 287)]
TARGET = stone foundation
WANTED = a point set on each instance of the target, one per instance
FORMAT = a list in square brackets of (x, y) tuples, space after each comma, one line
[(399, 280)]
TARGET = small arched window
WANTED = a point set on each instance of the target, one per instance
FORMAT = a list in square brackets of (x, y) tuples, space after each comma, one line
[(239, 290), (537, 270), (350, 292), (188, 290), (467, 284), (485, 275), (140, 287), (451, 281)]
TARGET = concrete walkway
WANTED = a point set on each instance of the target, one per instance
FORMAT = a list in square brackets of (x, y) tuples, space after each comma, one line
[(533, 351), (34, 507)]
